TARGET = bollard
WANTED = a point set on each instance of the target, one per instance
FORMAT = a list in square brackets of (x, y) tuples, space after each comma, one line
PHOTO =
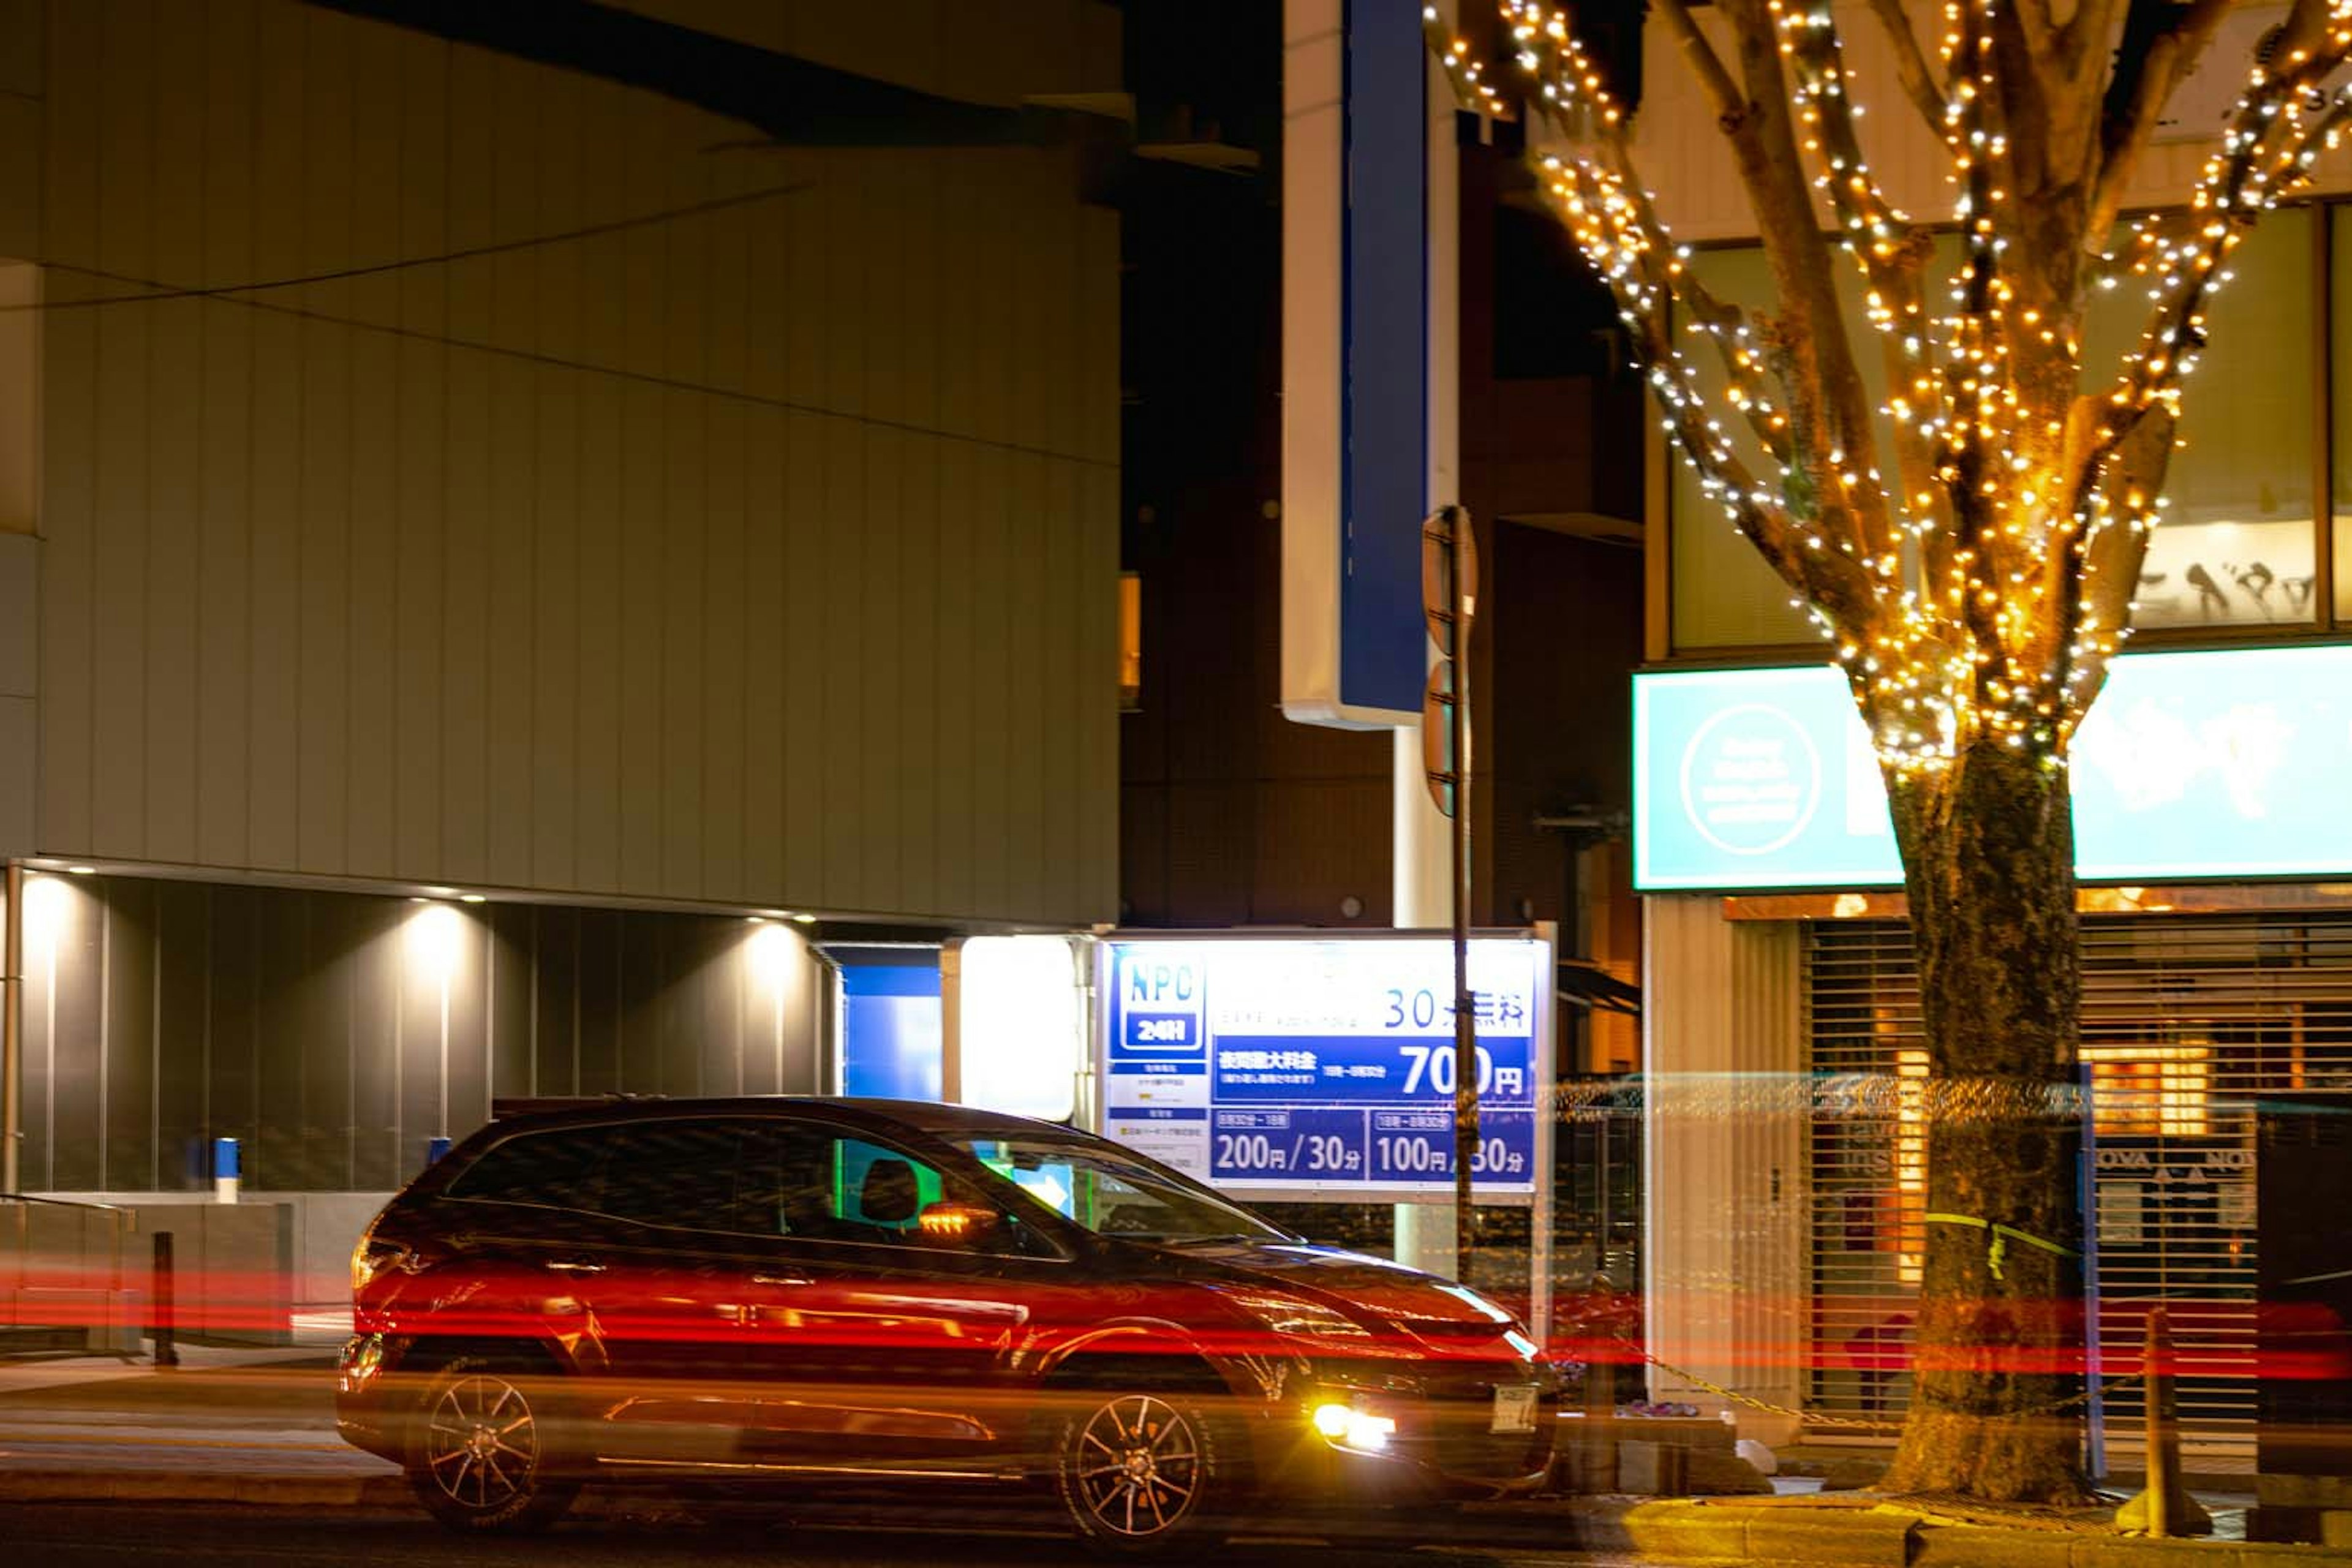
[(226, 1170), (166, 1354), (2165, 1509)]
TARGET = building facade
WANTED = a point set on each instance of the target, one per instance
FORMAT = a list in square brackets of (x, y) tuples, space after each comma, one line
[(515, 538), (1786, 1146)]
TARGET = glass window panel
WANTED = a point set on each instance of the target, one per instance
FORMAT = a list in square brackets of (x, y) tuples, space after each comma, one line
[(2339, 359), (1723, 595), (2236, 545)]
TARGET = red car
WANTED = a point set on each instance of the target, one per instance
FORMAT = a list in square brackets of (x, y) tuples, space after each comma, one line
[(898, 1294)]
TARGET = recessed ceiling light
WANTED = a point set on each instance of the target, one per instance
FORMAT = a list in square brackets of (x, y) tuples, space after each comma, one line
[(83, 870), (805, 919), (442, 892), (471, 899)]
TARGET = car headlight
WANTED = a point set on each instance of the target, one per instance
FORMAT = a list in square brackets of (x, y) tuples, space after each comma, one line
[(1294, 1317), (1350, 1427), (371, 1257)]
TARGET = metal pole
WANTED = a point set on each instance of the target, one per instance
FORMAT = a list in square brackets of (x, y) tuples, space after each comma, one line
[(1544, 1068), (12, 1032), (1465, 1015), (164, 1308), (2165, 1507), (2096, 1407)]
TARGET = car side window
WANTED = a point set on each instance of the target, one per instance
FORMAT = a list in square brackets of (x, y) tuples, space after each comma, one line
[(818, 1183), (811, 1181), (685, 1173), (556, 1169)]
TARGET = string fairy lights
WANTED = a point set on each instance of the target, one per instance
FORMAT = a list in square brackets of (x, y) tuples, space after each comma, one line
[(1974, 584)]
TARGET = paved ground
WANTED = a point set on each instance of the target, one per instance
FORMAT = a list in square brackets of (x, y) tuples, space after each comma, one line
[(87, 1536), (83, 1441)]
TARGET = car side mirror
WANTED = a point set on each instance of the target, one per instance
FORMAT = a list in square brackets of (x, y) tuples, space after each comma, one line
[(959, 1225)]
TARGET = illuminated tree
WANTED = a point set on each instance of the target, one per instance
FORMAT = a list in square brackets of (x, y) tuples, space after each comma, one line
[(1968, 547)]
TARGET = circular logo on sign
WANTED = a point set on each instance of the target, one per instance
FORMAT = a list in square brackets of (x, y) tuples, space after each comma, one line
[(1751, 780)]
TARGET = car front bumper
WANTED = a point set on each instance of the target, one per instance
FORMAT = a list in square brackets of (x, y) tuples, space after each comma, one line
[(364, 1410), (1441, 1436)]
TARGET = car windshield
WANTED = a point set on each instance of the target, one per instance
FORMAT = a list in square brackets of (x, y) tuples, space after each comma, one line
[(1114, 1194)]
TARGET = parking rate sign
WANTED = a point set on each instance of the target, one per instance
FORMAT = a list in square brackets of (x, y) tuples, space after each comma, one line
[(1317, 1065)]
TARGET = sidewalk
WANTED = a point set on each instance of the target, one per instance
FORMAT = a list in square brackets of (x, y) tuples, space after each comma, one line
[(257, 1427), (225, 1426)]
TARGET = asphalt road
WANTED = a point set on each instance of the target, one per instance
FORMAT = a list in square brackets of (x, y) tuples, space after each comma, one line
[(83, 1535)]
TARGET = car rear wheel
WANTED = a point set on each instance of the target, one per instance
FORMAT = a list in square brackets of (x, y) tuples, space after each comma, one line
[(1141, 1473), (480, 1453)]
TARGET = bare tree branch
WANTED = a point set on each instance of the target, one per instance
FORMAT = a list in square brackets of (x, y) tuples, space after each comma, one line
[(1911, 67), (1825, 577), (1891, 253), (1730, 107), (2097, 577), (1837, 438), (2146, 74)]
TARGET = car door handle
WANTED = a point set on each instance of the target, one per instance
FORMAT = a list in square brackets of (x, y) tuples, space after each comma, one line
[(575, 1266), (781, 1279)]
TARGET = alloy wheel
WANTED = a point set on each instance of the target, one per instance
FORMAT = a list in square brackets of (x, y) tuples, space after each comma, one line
[(482, 1442), (1138, 1465)]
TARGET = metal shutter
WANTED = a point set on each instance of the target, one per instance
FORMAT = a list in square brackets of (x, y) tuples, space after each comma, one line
[(2186, 1021)]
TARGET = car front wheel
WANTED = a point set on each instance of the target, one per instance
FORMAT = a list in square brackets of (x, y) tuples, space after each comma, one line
[(1142, 1473), (479, 1455)]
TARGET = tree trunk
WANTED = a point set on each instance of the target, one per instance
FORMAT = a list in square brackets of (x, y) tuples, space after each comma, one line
[(1987, 851)]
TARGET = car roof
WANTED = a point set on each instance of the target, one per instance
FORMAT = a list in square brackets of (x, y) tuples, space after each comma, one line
[(922, 1115)]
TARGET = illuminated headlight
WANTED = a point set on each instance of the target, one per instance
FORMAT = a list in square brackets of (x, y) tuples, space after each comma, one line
[(1352, 1428)]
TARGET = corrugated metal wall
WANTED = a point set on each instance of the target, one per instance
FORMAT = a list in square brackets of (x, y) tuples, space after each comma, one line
[(2188, 1022), (764, 555), (335, 1033)]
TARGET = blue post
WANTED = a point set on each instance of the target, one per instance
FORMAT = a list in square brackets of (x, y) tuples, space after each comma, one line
[(2094, 1428), (227, 1169), (434, 1149)]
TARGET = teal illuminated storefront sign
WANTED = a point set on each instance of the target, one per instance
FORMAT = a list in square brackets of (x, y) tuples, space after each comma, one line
[(2198, 764)]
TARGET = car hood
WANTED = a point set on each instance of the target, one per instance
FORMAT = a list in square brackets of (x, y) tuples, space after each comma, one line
[(1381, 1295)]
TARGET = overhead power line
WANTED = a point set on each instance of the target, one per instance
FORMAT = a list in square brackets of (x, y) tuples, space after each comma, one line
[(165, 291)]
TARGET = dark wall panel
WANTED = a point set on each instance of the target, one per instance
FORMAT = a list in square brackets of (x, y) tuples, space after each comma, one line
[(333, 1034), (596, 983), (513, 1053), (279, 1155), (128, 1037), (376, 1156), (555, 1000), (469, 1025), (637, 1061), (233, 1105), (77, 1110), (182, 1031)]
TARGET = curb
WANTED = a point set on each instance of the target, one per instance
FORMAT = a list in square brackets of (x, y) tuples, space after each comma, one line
[(200, 1486), (1665, 1529), (1698, 1531)]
